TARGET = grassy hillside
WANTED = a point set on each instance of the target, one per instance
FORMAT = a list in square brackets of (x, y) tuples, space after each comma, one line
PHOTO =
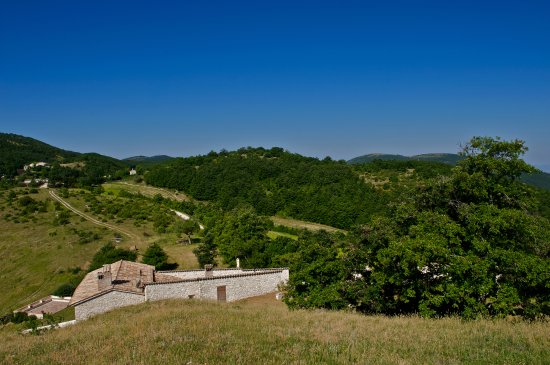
[(39, 251), (262, 331)]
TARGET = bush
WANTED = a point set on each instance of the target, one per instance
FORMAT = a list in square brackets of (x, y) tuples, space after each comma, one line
[(65, 290), (155, 255), (109, 254)]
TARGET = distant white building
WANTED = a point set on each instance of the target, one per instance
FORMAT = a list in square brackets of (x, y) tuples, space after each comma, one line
[(35, 164), (133, 172)]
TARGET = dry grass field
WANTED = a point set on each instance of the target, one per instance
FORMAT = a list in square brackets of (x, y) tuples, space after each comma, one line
[(263, 331), (36, 256)]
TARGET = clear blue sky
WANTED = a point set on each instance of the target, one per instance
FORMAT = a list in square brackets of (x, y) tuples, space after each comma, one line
[(340, 78)]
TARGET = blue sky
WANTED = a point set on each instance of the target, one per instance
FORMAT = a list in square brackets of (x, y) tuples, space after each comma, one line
[(341, 78)]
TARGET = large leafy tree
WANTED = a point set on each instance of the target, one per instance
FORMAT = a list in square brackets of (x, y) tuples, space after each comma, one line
[(241, 234), (465, 244), (155, 256), (109, 253)]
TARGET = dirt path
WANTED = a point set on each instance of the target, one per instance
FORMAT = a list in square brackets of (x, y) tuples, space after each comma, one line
[(164, 192), (90, 218)]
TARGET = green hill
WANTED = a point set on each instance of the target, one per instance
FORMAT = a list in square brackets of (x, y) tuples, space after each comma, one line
[(16, 151), (540, 180), (264, 331), (65, 167), (448, 158), (146, 160), (274, 182)]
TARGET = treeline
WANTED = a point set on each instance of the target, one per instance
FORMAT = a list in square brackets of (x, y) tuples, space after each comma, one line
[(274, 182), (471, 243)]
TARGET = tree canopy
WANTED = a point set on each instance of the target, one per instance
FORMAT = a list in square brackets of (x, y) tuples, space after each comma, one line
[(465, 244)]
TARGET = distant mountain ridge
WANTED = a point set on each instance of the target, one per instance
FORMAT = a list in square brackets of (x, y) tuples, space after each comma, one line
[(539, 179), (448, 158), (17, 151), (147, 159)]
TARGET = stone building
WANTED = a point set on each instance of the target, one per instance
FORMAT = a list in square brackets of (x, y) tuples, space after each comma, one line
[(125, 283), (48, 305)]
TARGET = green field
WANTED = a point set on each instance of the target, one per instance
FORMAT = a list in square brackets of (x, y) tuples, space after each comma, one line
[(36, 256), (264, 331)]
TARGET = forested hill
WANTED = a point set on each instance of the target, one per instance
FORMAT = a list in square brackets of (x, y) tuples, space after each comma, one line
[(17, 151), (274, 181), (146, 160), (448, 158), (538, 179)]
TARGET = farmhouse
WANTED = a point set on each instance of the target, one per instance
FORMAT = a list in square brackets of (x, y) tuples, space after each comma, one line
[(125, 283)]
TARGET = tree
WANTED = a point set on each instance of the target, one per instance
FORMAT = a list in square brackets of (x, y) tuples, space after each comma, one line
[(206, 251), (241, 234), (463, 245), (155, 255), (109, 254)]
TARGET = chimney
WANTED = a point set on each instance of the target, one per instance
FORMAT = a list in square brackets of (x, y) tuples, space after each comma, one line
[(208, 271), (138, 281), (104, 278)]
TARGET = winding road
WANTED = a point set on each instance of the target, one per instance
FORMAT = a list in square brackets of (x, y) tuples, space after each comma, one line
[(90, 218)]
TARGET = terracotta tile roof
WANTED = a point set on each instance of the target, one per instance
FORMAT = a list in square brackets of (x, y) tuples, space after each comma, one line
[(122, 275), (49, 304)]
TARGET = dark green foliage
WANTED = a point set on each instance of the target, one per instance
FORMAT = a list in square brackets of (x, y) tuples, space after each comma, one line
[(206, 252), (65, 290), (86, 236), (274, 182), (62, 218), (318, 272), (424, 169), (147, 161), (446, 158), (538, 179), (109, 254), (241, 234), (467, 244), (155, 256), (16, 151)]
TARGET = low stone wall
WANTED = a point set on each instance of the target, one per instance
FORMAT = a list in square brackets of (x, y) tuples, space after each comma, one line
[(195, 274), (106, 302), (244, 285)]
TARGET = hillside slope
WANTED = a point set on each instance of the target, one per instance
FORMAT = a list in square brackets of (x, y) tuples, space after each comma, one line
[(16, 151), (448, 158), (262, 331), (146, 160), (274, 182)]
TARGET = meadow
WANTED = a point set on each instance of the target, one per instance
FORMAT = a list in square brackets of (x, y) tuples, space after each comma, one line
[(263, 331)]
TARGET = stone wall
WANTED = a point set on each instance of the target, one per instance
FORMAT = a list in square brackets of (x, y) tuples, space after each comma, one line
[(106, 302), (195, 274), (245, 285)]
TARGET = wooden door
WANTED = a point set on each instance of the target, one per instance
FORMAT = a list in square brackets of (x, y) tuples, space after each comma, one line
[(221, 293)]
